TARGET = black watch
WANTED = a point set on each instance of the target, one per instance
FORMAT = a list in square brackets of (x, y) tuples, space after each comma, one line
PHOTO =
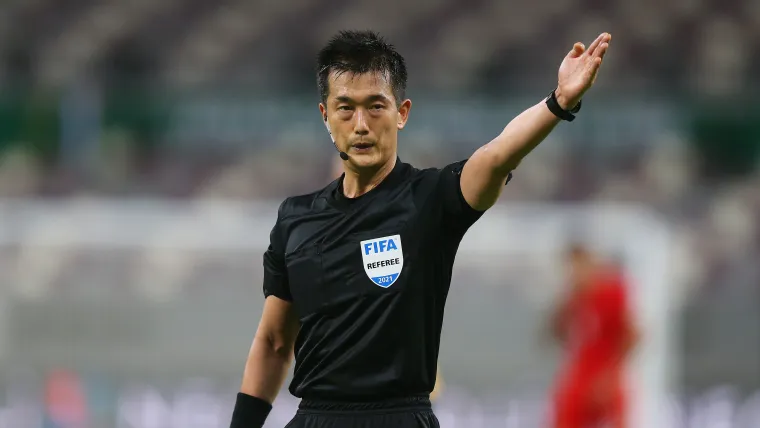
[(568, 115)]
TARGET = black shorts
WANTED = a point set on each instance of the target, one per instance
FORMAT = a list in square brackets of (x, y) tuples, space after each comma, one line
[(411, 412)]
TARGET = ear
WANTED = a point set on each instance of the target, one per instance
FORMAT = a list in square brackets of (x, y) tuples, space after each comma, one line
[(323, 111), (403, 113)]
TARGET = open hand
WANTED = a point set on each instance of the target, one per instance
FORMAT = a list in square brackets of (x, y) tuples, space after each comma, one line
[(579, 69)]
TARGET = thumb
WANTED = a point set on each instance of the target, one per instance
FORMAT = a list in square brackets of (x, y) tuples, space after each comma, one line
[(577, 50)]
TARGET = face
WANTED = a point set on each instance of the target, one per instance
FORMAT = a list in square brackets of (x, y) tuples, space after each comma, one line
[(580, 267), (364, 118)]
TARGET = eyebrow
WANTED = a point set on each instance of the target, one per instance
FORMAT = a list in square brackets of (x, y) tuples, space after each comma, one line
[(369, 99)]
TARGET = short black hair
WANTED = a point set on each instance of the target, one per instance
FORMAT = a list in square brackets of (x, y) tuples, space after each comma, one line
[(360, 52)]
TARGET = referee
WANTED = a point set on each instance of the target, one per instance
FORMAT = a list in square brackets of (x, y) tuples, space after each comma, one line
[(356, 274)]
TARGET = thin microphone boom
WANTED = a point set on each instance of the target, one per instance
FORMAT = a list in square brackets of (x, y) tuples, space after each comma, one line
[(343, 155)]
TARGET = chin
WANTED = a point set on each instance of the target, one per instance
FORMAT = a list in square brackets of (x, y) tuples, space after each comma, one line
[(368, 160)]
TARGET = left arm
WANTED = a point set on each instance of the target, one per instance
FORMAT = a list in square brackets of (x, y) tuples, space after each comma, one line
[(438, 388), (558, 322), (621, 319), (487, 169), (629, 337), (628, 344)]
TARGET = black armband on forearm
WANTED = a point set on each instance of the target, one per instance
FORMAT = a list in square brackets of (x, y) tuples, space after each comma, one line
[(250, 412)]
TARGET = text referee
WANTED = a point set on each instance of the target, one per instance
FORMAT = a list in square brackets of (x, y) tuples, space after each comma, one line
[(357, 274)]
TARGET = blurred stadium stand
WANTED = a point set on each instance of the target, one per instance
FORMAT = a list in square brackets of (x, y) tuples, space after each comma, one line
[(457, 44), (198, 100)]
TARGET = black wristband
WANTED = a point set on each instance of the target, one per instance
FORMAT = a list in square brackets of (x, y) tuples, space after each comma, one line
[(554, 107), (250, 412)]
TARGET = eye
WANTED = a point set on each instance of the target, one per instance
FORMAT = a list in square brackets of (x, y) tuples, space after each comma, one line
[(377, 106), (344, 108)]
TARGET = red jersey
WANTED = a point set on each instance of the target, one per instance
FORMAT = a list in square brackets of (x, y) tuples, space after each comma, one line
[(591, 388), (596, 323)]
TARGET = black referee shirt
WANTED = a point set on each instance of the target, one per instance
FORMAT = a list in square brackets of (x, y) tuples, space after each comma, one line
[(368, 278)]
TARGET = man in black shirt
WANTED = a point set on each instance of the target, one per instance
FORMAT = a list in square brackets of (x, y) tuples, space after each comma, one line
[(357, 274)]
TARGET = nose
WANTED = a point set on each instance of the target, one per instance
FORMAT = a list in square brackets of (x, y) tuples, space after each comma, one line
[(360, 125)]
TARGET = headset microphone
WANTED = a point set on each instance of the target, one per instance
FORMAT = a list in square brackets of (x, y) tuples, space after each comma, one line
[(343, 155)]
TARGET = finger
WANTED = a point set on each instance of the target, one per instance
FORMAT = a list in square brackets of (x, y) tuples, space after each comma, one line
[(603, 38), (601, 50), (593, 67), (577, 50), (595, 44)]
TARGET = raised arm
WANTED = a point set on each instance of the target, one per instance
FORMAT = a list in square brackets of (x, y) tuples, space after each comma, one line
[(487, 169)]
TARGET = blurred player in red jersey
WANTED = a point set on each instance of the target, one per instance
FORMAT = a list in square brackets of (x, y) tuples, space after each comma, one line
[(596, 328)]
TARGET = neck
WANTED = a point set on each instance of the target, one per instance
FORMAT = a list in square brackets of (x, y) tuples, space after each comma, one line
[(360, 181)]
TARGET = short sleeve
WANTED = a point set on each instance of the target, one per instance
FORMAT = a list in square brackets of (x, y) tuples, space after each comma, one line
[(458, 214), (275, 270)]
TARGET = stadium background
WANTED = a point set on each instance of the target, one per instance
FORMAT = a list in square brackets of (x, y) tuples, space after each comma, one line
[(143, 143)]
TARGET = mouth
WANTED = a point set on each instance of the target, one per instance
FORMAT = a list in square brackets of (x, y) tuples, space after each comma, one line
[(362, 147)]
